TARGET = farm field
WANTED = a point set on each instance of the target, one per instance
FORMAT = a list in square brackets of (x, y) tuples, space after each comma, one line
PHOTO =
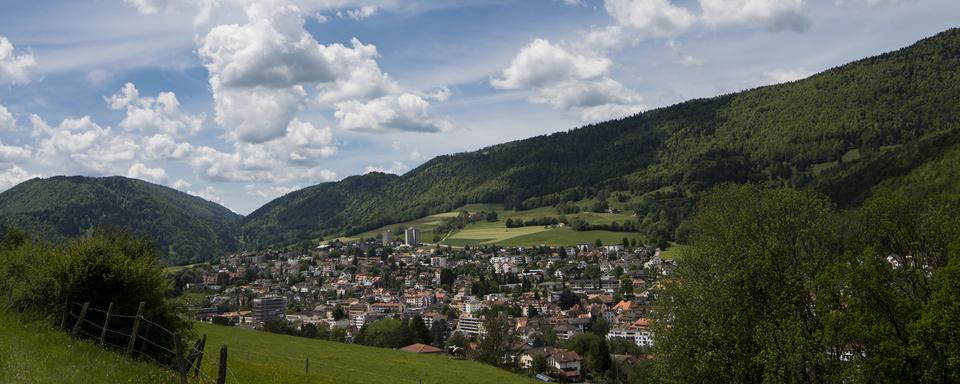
[(487, 233), (260, 357)]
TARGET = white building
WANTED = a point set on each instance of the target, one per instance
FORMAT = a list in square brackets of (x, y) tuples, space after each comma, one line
[(412, 236), (642, 337)]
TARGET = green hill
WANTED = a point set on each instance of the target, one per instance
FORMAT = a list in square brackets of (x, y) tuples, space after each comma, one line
[(260, 357), (839, 132), (185, 228), (32, 352)]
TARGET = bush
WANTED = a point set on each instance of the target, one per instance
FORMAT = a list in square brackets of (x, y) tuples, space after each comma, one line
[(106, 268)]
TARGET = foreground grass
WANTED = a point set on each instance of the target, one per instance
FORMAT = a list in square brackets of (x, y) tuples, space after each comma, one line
[(33, 352), (260, 357)]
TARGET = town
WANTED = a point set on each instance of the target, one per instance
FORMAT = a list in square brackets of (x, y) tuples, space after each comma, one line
[(551, 307)]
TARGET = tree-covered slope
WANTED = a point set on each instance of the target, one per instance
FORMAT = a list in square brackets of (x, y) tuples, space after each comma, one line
[(829, 132), (185, 228)]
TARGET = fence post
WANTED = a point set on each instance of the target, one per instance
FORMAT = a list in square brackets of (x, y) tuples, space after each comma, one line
[(200, 347), (136, 327), (79, 323), (306, 367), (181, 369), (10, 296), (106, 323), (143, 343), (222, 373), (66, 310)]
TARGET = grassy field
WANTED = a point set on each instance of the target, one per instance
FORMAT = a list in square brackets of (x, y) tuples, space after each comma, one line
[(259, 357), (486, 233), (672, 252), (177, 268), (33, 352)]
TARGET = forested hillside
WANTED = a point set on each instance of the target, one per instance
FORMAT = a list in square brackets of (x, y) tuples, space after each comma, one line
[(185, 228), (876, 123)]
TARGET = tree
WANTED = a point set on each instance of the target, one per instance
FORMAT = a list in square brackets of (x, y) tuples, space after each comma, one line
[(600, 326), (339, 313), (492, 217), (386, 333), (594, 351), (338, 334), (418, 331), (458, 340), (568, 299), (309, 330), (438, 333), (497, 343), (598, 243), (539, 363), (746, 285)]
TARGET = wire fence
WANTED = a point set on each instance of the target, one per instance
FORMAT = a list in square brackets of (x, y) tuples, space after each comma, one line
[(147, 340), (141, 338)]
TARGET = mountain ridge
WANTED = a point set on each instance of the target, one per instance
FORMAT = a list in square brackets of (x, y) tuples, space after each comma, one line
[(845, 132), (186, 228)]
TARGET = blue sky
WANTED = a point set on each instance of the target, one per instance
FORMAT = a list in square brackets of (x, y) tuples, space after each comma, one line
[(240, 101)]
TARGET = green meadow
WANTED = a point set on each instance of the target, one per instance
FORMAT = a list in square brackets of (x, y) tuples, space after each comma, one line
[(260, 357)]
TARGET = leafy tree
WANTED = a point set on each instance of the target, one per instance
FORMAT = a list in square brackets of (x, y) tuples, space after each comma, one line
[(498, 342), (339, 313), (418, 331), (538, 363), (568, 299), (386, 333)]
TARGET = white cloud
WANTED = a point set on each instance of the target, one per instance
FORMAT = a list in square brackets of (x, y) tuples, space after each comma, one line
[(81, 145), (151, 7), (654, 18), (164, 147), (268, 191), (772, 14), (404, 112), (181, 184), (13, 175), (541, 63), (280, 161), (357, 74), (15, 69), (397, 168), (14, 154), (208, 193), (440, 94), (781, 75), (263, 71), (161, 113), (143, 172), (359, 13), (7, 121), (566, 80), (257, 71)]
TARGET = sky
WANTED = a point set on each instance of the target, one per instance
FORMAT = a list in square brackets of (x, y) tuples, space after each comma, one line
[(241, 101)]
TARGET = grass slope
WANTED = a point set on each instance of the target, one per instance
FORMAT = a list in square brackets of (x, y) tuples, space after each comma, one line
[(32, 352), (259, 357)]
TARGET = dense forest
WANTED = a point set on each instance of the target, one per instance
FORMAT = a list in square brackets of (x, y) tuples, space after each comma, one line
[(184, 228), (841, 132)]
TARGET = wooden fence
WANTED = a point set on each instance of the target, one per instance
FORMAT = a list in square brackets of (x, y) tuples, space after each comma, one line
[(140, 338)]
